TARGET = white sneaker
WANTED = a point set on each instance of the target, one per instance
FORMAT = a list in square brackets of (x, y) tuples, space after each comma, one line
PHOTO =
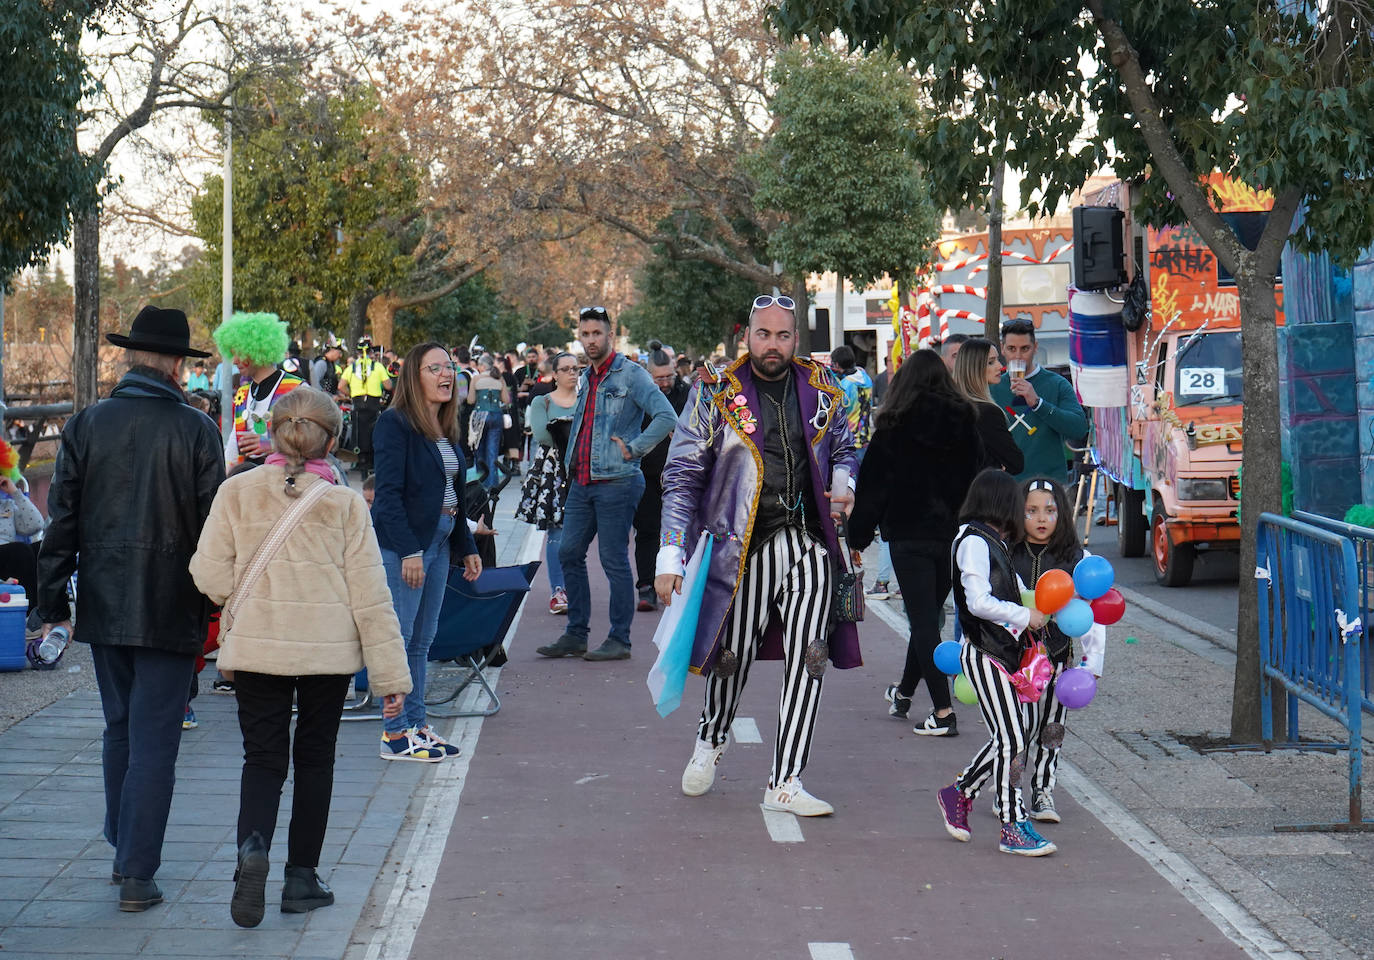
[(791, 797), (701, 769)]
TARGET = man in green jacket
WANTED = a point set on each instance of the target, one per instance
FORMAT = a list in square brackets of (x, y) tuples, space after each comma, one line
[(1045, 415)]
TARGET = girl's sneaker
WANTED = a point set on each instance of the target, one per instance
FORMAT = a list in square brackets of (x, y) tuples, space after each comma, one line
[(407, 745), (934, 726), (1022, 839), (900, 704), (432, 739), (1042, 808), (955, 806)]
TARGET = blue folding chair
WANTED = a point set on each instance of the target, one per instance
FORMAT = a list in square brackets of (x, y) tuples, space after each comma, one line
[(473, 623)]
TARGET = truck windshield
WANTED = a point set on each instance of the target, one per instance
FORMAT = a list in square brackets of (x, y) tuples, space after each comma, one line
[(1207, 369)]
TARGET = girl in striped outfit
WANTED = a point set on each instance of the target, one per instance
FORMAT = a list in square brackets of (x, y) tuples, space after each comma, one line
[(1051, 543), (997, 628)]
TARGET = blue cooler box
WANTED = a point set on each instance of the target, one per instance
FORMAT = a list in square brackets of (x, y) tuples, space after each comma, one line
[(14, 613)]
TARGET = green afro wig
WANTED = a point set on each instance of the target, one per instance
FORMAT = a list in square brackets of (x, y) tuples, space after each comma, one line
[(258, 337)]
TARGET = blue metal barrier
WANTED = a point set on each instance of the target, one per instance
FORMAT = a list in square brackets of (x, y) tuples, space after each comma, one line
[(1362, 539), (1309, 620)]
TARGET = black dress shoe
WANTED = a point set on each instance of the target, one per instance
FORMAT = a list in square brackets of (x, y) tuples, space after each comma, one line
[(303, 891), (137, 895), (250, 882), (565, 646)]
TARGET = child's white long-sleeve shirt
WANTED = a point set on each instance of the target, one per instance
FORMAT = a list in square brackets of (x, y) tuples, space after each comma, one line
[(975, 565)]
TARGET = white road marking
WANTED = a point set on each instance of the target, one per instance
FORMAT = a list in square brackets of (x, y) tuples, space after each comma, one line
[(589, 778), (782, 827), (1216, 905), (745, 730), (830, 951), (409, 898), (893, 616)]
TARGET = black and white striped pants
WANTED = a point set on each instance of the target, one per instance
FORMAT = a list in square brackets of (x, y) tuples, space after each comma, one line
[(1006, 717), (1045, 710), (792, 574)]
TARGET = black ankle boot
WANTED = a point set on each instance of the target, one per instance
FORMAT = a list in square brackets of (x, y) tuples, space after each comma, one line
[(303, 891), (250, 882)]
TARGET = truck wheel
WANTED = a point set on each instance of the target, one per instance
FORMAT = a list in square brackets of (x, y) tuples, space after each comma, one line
[(1173, 562), (1130, 521)]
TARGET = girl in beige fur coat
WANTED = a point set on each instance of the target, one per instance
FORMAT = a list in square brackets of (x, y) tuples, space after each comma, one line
[(319, 612)]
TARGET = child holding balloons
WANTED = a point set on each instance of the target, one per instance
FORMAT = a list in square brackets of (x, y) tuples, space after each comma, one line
[(1050, 544), (997, 633)]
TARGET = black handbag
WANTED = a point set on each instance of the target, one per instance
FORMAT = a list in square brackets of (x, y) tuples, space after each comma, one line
[(848, 606)]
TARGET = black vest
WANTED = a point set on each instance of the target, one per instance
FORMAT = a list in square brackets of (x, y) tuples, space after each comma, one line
[(991, 638), (1058, 644)]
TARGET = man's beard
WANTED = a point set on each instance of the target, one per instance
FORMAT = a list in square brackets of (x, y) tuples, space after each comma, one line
[(771, 364)]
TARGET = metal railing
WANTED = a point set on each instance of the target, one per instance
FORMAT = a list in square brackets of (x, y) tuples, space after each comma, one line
[(1362, 539), (1310, 643)]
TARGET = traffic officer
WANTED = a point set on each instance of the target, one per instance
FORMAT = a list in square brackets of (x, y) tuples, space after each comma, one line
[(365, 380)]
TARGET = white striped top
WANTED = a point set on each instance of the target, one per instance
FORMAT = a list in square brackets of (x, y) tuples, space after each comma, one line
[(451, 463)]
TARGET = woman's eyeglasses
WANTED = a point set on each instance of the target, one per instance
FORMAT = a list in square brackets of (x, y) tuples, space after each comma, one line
[(437, 368), (787, 303), (565, 370)]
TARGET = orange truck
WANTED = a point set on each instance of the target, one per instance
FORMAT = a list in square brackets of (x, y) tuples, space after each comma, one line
[(1172, 454)]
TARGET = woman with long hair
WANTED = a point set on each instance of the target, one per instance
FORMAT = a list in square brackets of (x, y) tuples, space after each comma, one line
[(546, 488), (977, 366), (419, 514), (920, 462), (488, 398), (317, 613)]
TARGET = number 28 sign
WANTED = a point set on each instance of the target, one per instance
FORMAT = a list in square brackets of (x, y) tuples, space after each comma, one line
[(1201, 381)]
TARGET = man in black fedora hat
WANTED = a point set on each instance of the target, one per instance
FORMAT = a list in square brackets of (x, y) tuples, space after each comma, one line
[(131, 489)]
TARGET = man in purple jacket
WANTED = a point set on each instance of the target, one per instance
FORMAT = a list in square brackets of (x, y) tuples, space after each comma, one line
[(760, 461)]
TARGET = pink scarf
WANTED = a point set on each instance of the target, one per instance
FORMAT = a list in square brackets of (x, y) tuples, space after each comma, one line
[(319, 468)]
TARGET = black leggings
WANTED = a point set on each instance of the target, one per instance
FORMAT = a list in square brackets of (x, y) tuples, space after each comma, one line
[(20, 562), (923, 572), (265, 719)]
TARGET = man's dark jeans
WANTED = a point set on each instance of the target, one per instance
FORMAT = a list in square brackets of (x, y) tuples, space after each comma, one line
[(602, 511), (143, 693)]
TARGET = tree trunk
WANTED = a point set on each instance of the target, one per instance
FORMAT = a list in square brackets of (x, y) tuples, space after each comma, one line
[(837, 318), (1261, 491), (800, 298), (381, 311), (357, 319), (86, 317), (992, 318)]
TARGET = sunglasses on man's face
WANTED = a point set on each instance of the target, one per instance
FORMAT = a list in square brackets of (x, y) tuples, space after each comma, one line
[(787, 303)]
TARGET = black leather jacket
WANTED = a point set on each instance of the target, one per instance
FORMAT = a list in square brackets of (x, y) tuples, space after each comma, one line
[(995, 641), (132, 487)]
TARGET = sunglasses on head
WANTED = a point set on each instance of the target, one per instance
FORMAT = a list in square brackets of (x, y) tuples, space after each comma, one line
[(593, 313), (787, 303)]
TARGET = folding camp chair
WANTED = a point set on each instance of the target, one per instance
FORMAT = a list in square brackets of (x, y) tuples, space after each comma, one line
[(473, 623)]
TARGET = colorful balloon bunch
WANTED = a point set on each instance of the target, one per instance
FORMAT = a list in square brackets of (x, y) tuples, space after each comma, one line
[(9, 462), (1076, 603)]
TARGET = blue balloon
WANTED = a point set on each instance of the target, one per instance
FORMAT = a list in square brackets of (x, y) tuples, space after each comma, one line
[(1093, 577), (1076, 618), (947, 657)]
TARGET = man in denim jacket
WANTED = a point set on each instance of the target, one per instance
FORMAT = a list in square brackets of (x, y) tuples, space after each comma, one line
[(605, 483)]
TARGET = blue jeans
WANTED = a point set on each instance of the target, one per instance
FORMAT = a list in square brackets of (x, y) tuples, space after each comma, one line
[(884, 563), (489, 449), (554, 568), (603, 511), (143, 694), (418, 610)]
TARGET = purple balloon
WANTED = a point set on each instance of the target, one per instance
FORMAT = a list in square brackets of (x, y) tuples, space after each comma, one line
[(1076, 688)]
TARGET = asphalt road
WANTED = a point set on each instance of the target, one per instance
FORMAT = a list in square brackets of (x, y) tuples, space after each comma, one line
[(1211, 596)]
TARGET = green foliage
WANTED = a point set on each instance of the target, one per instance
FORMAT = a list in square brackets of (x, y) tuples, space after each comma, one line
[(1255, 90), (44, 183), (318, 207), (476, 309), (1361, 515), (691, 305), (841, 167)]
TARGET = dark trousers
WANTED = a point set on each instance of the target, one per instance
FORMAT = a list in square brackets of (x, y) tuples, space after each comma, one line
[(265, 720), (20, 561), (366, 410), (923, 572), (143, 694), (648, 523)]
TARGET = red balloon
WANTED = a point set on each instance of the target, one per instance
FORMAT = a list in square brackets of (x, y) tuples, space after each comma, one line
[(1053, 591), (1109, 608)]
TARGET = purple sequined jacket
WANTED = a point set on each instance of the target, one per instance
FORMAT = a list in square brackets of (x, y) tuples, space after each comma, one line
[(713, 479)]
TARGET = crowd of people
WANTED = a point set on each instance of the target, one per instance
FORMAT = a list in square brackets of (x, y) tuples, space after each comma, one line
[(774, 471)]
